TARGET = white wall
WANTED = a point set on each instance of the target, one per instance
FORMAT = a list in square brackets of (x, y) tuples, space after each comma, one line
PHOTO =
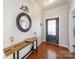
[(11, 10), (71, 24), (62, 13), (71, 5)]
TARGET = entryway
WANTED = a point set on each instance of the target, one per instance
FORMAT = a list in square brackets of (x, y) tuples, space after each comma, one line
[(52, 30)]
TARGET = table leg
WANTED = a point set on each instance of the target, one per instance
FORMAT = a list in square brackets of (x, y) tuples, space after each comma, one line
[(36, 45), (13, 55), (17, 54), (33, 46)]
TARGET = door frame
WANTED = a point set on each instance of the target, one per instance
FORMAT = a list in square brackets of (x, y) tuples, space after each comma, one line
[(57, 28)]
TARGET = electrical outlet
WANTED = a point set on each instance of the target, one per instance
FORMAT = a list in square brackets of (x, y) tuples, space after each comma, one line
[(11, 39), (35, 33)]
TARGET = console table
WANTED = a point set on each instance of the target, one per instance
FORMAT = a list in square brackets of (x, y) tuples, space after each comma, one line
[(17, 47)]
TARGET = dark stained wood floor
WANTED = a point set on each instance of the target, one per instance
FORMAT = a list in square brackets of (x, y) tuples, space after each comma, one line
[(51, 51)]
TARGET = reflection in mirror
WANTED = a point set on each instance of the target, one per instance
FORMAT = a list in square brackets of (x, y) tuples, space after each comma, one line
[(24, 22)]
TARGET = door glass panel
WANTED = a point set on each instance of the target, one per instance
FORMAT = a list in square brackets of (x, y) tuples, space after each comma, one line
[(52, 27)]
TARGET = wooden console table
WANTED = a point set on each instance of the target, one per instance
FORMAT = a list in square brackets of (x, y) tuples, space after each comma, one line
[(17, 47)]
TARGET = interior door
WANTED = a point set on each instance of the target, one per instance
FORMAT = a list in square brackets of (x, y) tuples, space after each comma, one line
[(52, 30)]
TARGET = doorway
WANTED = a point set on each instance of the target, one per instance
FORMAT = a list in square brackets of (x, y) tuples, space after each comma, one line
[(52, 30)]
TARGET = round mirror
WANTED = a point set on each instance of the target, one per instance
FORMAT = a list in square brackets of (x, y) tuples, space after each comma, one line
[(23, 22)]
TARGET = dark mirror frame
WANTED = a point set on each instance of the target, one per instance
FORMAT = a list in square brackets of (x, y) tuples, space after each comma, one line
[(18, 24)]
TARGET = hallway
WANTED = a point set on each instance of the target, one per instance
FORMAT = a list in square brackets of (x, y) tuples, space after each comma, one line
[(42, 20), (50, 51)]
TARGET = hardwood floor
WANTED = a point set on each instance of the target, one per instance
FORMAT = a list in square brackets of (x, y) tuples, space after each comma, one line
[(51, 51)]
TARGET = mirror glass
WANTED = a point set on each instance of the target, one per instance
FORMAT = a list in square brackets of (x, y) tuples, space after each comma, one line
[(24, 22)]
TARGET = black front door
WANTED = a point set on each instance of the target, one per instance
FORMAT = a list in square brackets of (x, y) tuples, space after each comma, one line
[(52, 30)]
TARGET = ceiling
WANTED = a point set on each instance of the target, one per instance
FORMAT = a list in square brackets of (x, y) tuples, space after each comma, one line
[(44, 5)]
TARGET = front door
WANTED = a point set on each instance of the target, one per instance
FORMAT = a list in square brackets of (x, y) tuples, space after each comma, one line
[(52, 30)]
